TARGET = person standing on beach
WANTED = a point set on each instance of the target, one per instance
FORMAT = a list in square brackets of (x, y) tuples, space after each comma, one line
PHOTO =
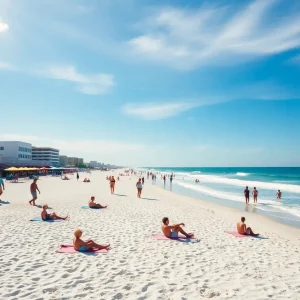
[(255, 194), (143, 180), (278, 195), (77, 176), (33, 189), (246, 193), (112, 183), (2, 187), (164, 178), (139, 187)]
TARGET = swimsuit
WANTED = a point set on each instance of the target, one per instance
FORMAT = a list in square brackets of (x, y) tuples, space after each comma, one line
[(34, 194), (140, 186), (174, 234), (83, 248), (48, 218)]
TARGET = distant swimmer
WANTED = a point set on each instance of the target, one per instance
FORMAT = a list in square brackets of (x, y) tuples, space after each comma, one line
[(80, 245), (242, 228), (33, 189), (92, 204), (47, 217), (278, 195), (246, 193), (255, 194), (197, 180), (139, 187), (2, 187), (172, 231)]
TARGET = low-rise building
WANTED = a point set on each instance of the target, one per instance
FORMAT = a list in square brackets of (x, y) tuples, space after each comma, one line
[(46, 154), (63, 160), (15, 150)]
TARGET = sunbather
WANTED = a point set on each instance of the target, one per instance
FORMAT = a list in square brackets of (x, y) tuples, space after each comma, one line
[(171, 231), (92, 204), (66, 178), (80, 245), (47, 217), (86, 180), (242, 228)]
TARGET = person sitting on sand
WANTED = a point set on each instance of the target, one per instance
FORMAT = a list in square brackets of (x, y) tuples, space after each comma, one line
[(242, 228), (171, 231), (92, 204), (80, 245), (86, 180), (66, 178), (47, 217)]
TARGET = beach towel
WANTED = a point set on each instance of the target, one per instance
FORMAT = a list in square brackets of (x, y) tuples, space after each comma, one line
[(38, 219), (236, 234), (70, 249), (87, 207), (162, 237)]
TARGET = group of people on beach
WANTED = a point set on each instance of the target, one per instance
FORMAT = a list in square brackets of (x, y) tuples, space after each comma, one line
[(255, 195)]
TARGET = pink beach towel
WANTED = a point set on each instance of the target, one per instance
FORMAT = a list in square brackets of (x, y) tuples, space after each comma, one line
[(162, 237), (70, 249), (236, 234)]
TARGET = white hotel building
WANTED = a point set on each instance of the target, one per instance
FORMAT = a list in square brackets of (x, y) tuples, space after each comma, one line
[(46, 154), (15, 151)]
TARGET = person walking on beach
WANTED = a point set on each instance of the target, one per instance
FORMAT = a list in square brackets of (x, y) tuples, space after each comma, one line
[(246, 193), (143, 180), (164, 178), (171, 231), (255, 194), (278, 195), (242, 228), (33, 189), (139, 187), (112, 183), (2, 187), (80, 245), (77, 176), (47, 217)]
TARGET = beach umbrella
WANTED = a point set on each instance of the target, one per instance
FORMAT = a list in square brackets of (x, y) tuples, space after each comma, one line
[(13, 169)]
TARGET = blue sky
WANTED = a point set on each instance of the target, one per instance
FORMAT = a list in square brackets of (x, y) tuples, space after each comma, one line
[(153, 83)]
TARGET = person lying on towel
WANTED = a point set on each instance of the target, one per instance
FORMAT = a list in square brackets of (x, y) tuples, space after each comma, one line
[(47, 217), (242, 228), (92, 204), (171, 231), (80, 245)]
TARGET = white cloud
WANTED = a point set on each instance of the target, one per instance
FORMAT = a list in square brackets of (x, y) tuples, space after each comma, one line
[(7, 66), (93, 84), (156, 111), (18, 137), (188, 38), (3, 27)]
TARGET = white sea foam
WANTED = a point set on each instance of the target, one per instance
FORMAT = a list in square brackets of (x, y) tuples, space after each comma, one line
[(263, 203), (242, 174), (258, 184)]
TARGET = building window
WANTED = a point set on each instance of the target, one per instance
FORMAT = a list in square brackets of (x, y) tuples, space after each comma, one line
[(1, 148)]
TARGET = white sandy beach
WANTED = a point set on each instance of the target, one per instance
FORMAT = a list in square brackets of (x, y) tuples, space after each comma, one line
[(220, 266)]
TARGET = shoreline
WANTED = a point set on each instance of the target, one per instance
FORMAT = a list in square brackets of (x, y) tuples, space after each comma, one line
[(284, 230)]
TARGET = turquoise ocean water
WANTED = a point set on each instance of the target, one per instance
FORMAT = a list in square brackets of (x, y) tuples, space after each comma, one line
[(226, 186)]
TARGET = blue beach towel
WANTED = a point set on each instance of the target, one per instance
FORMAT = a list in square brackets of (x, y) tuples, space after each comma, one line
[(87, 207), (37, 219)]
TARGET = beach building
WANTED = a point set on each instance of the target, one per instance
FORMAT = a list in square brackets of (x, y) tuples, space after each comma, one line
[(51, 155), (93, 164), (15, 151), (63, 160)]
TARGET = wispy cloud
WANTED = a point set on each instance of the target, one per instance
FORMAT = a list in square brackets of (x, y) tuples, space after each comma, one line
[(7, 66), (93, 84), (3, 27), (188, 38), (18, 137), (156, 111)]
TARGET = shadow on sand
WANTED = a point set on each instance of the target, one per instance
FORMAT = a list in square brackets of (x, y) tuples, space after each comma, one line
[(149, 199), (4, 202), (120, 195)]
